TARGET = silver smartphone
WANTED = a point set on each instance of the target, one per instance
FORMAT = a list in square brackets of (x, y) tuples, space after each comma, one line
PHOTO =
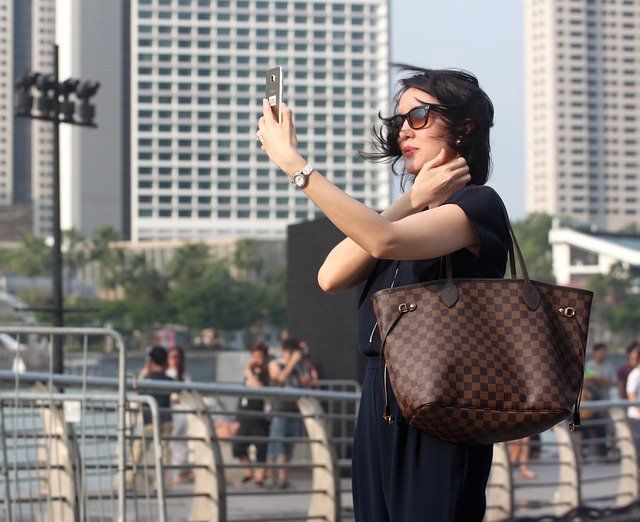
[(274, 79)]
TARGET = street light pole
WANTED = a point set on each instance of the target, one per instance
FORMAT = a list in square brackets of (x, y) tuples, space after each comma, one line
[(58, 291), (49, 108)]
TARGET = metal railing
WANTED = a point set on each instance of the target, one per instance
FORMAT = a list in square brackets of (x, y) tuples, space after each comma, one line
[(593, 471)]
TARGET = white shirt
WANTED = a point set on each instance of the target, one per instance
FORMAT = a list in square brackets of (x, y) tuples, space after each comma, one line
[(633, 386)]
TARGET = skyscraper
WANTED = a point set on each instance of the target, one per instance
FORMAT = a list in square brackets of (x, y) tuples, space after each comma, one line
[(43, 18), (582, 83), (197, 81), (6, 106)]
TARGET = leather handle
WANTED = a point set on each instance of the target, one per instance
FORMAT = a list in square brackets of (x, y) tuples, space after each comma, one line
[(449, 292)]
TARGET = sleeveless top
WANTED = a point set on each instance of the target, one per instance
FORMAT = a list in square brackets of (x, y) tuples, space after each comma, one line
[(483, 208)]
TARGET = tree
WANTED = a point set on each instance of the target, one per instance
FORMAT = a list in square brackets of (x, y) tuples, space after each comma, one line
[(617, 301), (533, 237), (31, 258)]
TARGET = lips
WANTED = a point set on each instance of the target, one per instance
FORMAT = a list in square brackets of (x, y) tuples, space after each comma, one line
[(408, 151)]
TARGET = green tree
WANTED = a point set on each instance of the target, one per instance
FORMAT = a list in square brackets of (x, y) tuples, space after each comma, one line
[(31, 258), (533, 237), (617, 301), (112, 260)]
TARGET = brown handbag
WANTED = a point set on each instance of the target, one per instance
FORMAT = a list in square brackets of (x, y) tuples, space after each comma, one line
[(479, 361)]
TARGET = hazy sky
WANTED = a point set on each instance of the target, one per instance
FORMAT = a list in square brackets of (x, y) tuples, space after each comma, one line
[(484, 37)]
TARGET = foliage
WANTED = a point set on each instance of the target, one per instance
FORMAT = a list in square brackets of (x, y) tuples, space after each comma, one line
[(533, 237), (617, 301), (31, 258)]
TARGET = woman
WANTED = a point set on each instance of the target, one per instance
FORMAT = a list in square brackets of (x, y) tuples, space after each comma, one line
[(440, 131), (256, 375), (179, 448)]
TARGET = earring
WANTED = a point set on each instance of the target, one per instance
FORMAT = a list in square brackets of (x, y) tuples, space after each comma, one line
[(458, 142)]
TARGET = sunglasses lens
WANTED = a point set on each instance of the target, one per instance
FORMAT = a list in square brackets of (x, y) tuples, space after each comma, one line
[(418, 117)]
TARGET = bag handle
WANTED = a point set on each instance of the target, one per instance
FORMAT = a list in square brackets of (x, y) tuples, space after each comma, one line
[(531, 297)]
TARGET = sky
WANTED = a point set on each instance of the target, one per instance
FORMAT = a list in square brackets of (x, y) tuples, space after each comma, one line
[(485, 37)]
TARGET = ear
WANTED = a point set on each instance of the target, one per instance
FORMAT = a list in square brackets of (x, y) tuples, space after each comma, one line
[(467, 127)]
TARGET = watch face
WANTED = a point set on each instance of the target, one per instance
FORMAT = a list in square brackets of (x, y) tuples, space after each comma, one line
[(299, 180)]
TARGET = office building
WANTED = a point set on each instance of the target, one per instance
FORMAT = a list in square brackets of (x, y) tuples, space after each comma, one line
[(197, 81), (582, 90)]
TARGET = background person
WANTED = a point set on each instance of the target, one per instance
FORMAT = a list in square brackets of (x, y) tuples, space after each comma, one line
[(142, 449), (179, 448), (633, 349), (256, 375), (284, 372)]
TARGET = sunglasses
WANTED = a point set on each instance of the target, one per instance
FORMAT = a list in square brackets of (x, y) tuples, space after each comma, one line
[(416, 117)]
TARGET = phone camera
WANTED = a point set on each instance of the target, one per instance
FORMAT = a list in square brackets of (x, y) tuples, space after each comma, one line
[(273, 78)]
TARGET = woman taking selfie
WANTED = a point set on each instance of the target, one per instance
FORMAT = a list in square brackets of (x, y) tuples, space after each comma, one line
[(440, 132)]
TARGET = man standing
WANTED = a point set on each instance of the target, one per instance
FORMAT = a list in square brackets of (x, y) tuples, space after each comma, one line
[(633, 349)]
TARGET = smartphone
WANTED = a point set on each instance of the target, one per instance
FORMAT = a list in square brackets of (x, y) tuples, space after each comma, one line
[(274, 79)]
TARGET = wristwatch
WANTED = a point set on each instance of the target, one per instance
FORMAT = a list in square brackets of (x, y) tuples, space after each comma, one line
[(301, 178)]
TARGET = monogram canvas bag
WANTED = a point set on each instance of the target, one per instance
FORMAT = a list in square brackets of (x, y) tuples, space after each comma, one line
[(474, 361)]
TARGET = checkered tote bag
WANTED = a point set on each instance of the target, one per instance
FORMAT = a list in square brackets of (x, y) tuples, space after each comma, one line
[(478, 361)]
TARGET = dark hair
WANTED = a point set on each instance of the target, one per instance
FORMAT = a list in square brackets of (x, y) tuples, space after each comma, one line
[(290, 344), (181, 362), (261, 346), (599, 346), (633, 345), (158, 355), (469, 116)]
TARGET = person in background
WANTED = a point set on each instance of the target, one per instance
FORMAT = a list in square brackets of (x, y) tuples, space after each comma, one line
[(600, 378), (284, 372), (601, 373), (309, 372), (179, 448), (519, 451), (632, 390), (256, 376), (154, 369), (633, 350)]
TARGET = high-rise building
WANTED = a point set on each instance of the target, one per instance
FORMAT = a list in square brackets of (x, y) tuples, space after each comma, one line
[(582, 89), (42, 38), (197, 83), (6, 106), (92, 46), (15, 133)]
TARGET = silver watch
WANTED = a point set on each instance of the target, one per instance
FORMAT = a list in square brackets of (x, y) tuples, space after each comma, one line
[(301, 178)]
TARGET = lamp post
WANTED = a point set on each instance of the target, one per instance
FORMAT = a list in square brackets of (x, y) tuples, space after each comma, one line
[(49, 107)]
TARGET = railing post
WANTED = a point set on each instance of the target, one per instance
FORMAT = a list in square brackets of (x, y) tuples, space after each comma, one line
[(58, 478), (568, 496), (325, 475), (209, 488), (500, 486), (8, 511), (628, 483)]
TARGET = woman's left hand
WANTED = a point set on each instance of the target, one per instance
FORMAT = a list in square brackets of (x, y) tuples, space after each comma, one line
[(279, 138)]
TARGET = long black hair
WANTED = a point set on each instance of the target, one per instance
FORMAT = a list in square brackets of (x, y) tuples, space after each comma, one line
[(469, 116)]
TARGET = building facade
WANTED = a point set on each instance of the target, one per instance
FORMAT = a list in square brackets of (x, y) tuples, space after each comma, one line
[(43, 18), (582, 90), (6, 106), (197, 83)]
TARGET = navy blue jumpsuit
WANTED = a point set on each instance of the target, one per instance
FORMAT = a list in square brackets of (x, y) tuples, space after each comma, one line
[(399, 473)]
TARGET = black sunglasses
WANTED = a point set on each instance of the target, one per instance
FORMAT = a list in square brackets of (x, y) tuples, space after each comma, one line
[(417, 117)]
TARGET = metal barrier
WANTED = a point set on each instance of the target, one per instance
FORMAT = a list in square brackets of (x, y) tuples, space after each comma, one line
[(573, 478), (82, 338)]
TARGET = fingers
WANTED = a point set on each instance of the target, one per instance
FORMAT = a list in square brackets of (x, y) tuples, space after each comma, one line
[(287, 117), (266, 111), (437, 161)]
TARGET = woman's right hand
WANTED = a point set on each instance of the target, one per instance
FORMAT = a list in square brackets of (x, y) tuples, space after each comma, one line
[(438, 180)]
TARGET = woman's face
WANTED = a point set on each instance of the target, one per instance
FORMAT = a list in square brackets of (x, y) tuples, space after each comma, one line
[(173, 359), (421, 145)]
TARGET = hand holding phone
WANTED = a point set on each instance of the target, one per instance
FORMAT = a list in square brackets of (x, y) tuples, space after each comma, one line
[(274, 78)]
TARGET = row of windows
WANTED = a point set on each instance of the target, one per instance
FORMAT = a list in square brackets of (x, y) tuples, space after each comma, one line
[(258, 46), (259, 4), (298, 75), (250, 32), (239, 214), (145, 14), (318, 90)]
